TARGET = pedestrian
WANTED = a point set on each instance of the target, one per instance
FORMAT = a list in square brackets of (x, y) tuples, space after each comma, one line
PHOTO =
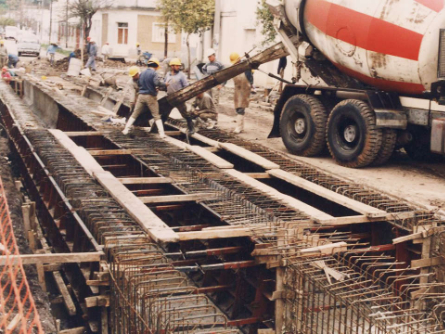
[(204, 111), (3, 54), (6, 75), (149, 84), (106, 51), (52, 52), (92, 53), (210, 68), (243, 86), (177, 80), (12, 61)]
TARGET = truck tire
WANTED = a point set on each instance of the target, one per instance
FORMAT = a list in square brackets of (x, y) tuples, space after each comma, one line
[(303, 125), (389, 141), (352, 137)]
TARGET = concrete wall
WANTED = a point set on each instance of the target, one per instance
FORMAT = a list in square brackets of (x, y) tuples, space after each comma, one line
[(41, 104)]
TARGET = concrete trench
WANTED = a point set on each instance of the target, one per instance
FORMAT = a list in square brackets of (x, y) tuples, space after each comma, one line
[(249, 255)]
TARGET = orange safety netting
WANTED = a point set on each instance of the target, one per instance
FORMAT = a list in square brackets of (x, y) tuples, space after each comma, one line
[(18, 313)]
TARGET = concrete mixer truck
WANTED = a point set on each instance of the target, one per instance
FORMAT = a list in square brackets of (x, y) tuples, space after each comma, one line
[(382, 68)]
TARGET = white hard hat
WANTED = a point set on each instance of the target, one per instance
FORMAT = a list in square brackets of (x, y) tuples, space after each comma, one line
[(210, 52)]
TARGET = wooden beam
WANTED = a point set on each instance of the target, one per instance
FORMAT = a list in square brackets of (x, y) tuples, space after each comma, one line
[(330, 195), (67, 300), (151, 223), (259, 175), (145, 180), (83, 133), (291, 202), (216, 234), (53, 258), (210, 157), (115, 152), (97, 301), (79, 153), (248, 155), (425, 263), (77, 330), (178, 198)]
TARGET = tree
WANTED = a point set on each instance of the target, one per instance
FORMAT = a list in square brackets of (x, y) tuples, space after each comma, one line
[(265, 18), (85, 10), (190, 16), (6, 21)]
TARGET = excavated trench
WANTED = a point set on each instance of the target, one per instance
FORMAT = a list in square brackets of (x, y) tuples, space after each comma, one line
[(225, 241)]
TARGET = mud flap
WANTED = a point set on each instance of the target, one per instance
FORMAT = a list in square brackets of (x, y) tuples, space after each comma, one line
[(392, 119)]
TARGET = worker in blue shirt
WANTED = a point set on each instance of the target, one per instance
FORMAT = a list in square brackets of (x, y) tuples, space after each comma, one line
[(92, 53), (12, 61), (177, 80), (210, 68), (149, 84), (52, 52)]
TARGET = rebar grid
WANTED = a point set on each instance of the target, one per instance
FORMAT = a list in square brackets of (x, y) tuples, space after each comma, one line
[(358, 292)]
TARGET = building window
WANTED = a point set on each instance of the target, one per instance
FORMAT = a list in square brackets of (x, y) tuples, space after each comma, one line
[(122, 33), (158, 35)]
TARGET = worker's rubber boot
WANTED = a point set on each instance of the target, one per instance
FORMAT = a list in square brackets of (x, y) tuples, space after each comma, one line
[(130, 122), (239, 124), (211, 124), (190, 126), (160, 128)]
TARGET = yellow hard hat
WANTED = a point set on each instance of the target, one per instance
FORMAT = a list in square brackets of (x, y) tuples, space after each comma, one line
[(153, 61), (137, 44), (234, 57), (175, 61), (44, 78), (2, 41), (133, 71)]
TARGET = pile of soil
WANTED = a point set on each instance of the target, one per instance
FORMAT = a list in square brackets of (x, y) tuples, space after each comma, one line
[(15, 207)]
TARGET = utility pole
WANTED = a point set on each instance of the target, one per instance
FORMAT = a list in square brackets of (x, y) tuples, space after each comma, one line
[(217, 27), (50, 20), (66, 25)]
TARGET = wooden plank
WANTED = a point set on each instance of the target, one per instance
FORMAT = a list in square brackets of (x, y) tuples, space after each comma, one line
[(259, 175), (145, 180), (289, 201), (94, 301), (115, 152), (77, 330), (83, 133), (216, 234), (151, 223), (177, 198), (248, 155), (414, 236), (210, 157), (330, 195), (79, 153), (54, 258), (425, 263), (67, 300)]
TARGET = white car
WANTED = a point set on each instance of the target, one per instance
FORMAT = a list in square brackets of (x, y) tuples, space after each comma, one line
[(29, 46)]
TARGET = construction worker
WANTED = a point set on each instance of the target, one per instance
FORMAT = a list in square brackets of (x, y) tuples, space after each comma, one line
[(6, 75), (52, 52), (149, 85), (177, 80), (3, 54), (204, 111), (92, 53), (243, 87), (132, 87), (12, 61), (210, 68), (87, 47), (106, 50), (138, 49)]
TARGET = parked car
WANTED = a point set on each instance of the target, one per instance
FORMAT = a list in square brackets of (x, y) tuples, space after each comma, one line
[(11, 32), (29, 46)]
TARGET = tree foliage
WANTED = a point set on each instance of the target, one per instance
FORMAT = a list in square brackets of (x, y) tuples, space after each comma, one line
[(7, 21), (265, 18), (85, 10), (190, 16)]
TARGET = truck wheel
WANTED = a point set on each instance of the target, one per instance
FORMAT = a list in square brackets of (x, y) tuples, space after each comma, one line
[(352, 136), (303, 125), (389, 141)]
